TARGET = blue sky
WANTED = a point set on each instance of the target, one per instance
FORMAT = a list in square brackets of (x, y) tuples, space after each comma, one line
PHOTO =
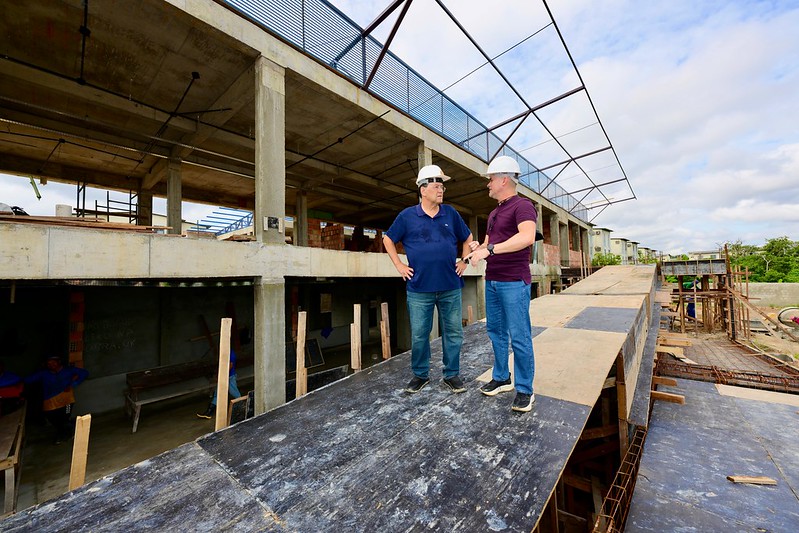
[(698, 98)]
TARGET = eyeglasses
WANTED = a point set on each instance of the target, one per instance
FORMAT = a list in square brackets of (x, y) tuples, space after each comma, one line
[(436, 186)]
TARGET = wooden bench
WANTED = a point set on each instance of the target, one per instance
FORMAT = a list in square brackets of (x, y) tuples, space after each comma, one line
[(12, 432), (173, 381), (166, 382)]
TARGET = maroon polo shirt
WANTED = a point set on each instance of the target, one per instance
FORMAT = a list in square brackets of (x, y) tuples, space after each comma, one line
[(503, 223)]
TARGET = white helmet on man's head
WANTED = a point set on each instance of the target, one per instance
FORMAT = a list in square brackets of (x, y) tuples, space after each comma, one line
[(430, 174), (504, 165)]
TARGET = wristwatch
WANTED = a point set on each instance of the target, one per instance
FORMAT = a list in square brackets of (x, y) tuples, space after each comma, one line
[(490, 249)]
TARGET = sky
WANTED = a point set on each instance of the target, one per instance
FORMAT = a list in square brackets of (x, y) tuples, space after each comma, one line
[(698, 98)]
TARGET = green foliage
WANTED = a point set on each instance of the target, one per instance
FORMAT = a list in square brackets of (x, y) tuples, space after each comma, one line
[(775, 262), (602, 259), (642, 259)]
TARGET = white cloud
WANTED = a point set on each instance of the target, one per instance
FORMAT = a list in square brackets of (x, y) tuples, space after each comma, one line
[(698, 98)]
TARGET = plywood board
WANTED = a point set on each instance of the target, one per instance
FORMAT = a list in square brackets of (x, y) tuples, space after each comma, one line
[(759, 395), (556, 310), (572, 364), (616, 279)]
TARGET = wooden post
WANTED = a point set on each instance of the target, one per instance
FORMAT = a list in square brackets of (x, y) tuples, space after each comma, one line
[(80, 450), (355, 339), (301, 380), (469, 314), (385, 333), (223, 374)]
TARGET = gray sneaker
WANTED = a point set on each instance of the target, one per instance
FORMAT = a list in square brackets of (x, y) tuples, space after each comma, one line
[(493, 387), (523, 402), (416, 384), (455, 384)]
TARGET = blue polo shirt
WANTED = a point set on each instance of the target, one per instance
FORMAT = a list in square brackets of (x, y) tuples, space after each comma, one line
[(432, 246)]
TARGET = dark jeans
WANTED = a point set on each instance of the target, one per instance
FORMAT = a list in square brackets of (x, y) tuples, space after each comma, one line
[(59, 418)]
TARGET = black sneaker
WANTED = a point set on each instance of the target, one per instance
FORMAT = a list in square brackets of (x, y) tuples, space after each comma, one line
[(493, 387), (455, 384), (416, 384), (209, 413), (523, 402)]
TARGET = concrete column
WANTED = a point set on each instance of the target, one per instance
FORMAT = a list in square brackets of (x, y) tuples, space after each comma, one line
[(145, 208), (301, 219), (174, 197), (270, 152), (538, 249), (424, 156), (269, 340), (586, 245), (480, 312), (403, 330), (473, 226), (564, 244)]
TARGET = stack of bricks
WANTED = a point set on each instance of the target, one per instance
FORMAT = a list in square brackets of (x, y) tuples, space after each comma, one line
[(333, 237), (314, 233)]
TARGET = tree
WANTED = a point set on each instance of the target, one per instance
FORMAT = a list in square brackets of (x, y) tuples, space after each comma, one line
[(776, 262), (602, 259)]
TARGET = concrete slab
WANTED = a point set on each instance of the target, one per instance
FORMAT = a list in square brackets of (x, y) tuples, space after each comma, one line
[(362, 455), (557, 310), (691, 449), (617, 279)]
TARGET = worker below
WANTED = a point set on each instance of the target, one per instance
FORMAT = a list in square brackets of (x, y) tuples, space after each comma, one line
[(431, 233), (58, 383), (233, 388), (510, 234)]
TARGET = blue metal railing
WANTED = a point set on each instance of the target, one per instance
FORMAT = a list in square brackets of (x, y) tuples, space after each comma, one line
[(323, 32)]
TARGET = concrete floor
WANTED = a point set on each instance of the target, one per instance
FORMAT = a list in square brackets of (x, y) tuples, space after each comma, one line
[(112, 446)]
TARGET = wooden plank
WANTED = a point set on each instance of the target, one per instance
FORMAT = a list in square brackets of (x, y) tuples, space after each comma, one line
[(577, 482), (670, 341), (385, 332), (754, 480), (355, 339), (80, 451), (599, 432), (667, 397), (469, 314), (301, 372), (660, 380), (223, 371), (674, 350)]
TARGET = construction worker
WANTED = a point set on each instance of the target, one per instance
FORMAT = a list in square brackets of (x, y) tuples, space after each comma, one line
[(58, 383), (431, 233), (510, 235)]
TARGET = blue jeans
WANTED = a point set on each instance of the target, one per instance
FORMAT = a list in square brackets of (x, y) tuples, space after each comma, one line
[(420, 311), (508, 314), (233, 388)]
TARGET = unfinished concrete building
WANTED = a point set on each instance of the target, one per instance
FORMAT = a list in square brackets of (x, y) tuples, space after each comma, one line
[(220, 103), (242, 105)]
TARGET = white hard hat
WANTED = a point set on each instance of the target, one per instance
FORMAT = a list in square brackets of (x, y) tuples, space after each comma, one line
[(503, 165), (430, 174)]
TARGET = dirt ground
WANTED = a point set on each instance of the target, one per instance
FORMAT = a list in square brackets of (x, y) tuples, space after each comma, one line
[(776, 341)]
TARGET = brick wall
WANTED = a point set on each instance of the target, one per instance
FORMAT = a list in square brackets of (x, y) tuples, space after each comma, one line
[(314, 233), (333, 237), (551, 254)]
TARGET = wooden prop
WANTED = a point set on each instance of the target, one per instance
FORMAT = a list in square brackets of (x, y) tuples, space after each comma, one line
[(80, 450), (222, 376), (385, 333), (355, 339), (302, 372)]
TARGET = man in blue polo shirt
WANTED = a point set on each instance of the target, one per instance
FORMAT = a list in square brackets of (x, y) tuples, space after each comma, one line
[(431, 233)]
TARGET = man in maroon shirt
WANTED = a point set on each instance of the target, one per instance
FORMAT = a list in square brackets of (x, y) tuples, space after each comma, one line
[(509, 237)]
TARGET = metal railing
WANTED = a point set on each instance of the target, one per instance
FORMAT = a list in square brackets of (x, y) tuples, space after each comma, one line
[(323, 32)]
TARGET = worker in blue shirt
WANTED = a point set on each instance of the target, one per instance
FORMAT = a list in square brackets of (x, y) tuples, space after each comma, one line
[(233, 388), (431, 233), (58, 383)]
